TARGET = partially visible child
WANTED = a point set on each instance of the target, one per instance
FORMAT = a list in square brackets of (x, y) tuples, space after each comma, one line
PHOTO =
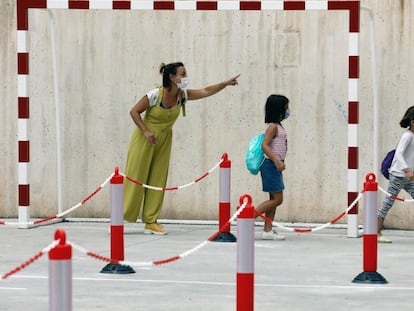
[(274, 147), (401, 170)]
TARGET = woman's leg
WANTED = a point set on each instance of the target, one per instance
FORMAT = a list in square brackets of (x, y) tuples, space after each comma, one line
[(154, 199)]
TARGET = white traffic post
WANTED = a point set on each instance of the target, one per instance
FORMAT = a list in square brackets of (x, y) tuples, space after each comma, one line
[(245, 256), (60, 274), (224, 205), (117, 226), (370, 248)]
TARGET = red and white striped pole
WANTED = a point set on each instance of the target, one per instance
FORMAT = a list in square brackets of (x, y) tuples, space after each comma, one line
[(117, 226), (60, 274), (224, 205), (245, 256), (370, 248)]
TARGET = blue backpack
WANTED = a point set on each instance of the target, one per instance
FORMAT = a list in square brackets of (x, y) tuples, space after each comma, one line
[(254, 154), (386, 163)]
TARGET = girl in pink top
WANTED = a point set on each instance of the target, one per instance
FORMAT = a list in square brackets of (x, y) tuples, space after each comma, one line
[(274, 147)]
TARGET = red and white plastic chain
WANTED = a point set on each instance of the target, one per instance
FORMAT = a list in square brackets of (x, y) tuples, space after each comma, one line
[(141, 184), (30, 260), (44, 220), (395, 197), (162, 261), (304, 230), (107, 259)]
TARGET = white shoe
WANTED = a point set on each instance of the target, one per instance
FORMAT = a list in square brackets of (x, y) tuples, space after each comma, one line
[(272, 235), (383, 239)]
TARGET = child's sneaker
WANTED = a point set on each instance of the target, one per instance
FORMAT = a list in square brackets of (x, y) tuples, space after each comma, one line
[(272, 235), (383, 239), (154, 228)]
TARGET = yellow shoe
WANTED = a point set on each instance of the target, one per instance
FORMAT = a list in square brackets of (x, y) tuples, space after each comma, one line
[(154, 228)]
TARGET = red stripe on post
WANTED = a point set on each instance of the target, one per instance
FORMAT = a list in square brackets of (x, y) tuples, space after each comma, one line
[(23, 63), (353, 67), (351, 198), (224, 216), (23, 107), (353, 7), (370, 252), (352, 157), (121, 5), (250, 5), (23, 12), (117, 243), (24, 151), (353, 112), (294, 5), (78, 4), (24, 195), (354, 20), (206, 5), (163, 5), (245, 291)]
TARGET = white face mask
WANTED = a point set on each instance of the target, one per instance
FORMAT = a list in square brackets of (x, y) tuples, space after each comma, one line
[(184, 83), (287, 113)]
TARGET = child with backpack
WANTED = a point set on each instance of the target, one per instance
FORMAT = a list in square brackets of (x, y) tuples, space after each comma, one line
[(274, 147), (401, 174)]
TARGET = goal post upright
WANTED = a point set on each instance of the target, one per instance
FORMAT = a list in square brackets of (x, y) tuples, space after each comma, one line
[(23, 89)]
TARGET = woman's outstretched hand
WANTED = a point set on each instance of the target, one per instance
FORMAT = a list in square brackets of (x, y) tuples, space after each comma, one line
[(232, 81)]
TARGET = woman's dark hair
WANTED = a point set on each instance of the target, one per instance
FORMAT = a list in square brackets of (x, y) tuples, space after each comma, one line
[(407, 118), (166, 70), (275, 108)]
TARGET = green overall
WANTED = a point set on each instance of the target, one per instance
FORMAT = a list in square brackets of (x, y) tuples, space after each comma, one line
[(148, 163)]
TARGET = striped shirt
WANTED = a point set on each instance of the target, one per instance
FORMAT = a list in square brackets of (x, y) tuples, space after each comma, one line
[(279, 143)]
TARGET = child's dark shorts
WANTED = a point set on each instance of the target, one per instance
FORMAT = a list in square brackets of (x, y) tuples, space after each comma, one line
[(272, 178)]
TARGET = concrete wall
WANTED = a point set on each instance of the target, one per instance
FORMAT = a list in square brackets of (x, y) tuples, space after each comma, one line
[(107, 60)]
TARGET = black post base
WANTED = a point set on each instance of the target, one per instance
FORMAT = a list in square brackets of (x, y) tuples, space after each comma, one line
[(225, 237), (370, 278), (117, 269)]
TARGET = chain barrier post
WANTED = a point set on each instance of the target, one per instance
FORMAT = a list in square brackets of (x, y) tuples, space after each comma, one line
[(245, 256), (224, 205), (370, 242), (117, 226), (60, 274)]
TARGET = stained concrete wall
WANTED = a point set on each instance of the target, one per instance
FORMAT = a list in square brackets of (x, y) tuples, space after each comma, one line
[(107, 60)]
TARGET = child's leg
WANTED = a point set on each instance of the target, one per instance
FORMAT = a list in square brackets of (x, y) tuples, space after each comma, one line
[(269, 208)]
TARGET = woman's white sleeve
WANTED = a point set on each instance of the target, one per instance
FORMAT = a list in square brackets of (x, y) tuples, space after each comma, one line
[(153, 97)]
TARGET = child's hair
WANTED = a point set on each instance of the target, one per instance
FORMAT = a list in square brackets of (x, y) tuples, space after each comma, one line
[(275, 108), (407, 118), (166, 70)]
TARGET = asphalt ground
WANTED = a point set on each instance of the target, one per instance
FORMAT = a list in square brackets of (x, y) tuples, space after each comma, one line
[(307, 271)]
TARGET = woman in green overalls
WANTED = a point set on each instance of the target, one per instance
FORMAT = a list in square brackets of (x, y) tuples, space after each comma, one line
[(150, 147)]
